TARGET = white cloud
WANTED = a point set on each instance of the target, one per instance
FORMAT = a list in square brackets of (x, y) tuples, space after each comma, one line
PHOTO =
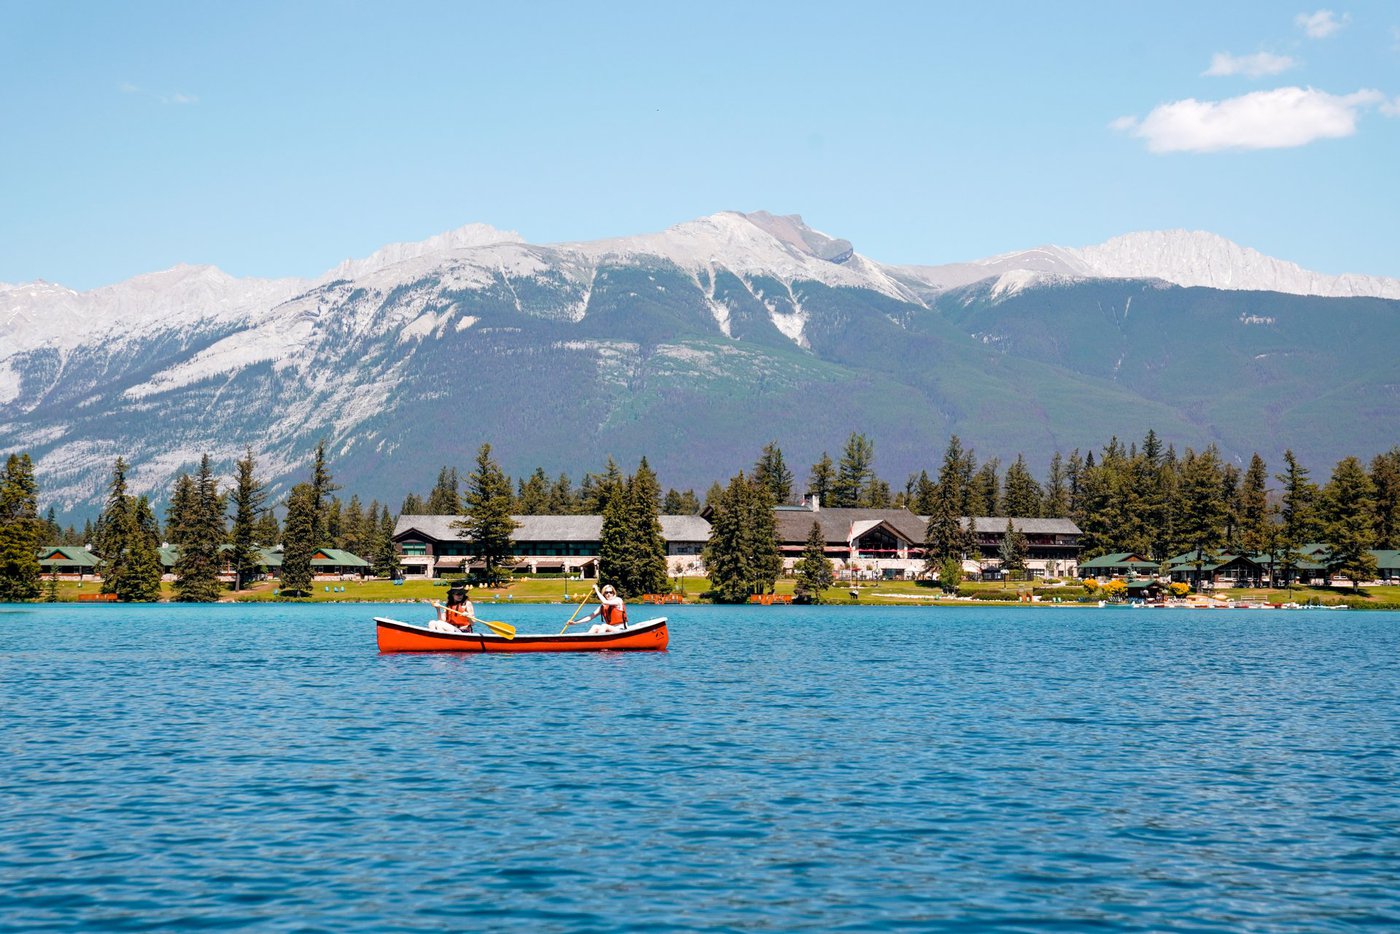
[(1278, 119), (1321, 24), (1255, 66), (127, 87), (1391, 108), (179, 99)]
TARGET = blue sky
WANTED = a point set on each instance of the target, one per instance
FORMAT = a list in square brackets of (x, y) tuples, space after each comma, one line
[(278, 139)]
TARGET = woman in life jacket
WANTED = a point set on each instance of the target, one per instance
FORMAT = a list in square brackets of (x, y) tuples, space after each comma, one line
[(613, 611), (459, 611)]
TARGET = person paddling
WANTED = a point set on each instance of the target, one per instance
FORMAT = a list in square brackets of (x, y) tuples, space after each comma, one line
[(458, 612), (613, 611)]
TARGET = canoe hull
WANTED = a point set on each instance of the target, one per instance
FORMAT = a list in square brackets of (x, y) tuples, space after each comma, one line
[(396, 636)]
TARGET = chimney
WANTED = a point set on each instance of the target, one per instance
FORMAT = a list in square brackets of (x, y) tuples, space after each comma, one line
[(813, 501)]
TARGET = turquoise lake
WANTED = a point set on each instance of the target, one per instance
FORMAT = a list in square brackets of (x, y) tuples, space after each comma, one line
[(264, 767)]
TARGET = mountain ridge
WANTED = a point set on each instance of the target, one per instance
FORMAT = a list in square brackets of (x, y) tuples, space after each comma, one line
[(694, 345)]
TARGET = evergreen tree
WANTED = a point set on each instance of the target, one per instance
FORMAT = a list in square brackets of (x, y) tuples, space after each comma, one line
[(1254, 507), (488, 524), (1023, 495), (772, 472), (1152, 449), (1385, 477), (1013, 549), (444, 499), (201, 534), (984, 494), (713, 495), (52, 532), (533, 497), (1349, 517), (1297, 516), (561, 497), (943, 534), (1074, 469), (650, 573), (21, 530), (813, 570), (671, 504), (299, 541), (741, 555), (181, 508), (382, 552), (950, 575), (144, 570), (353, 527), (599, 489), (955, 476), (335, 516), (876, 495), (247, 501), (266, 531), (854, 472), (924, 495), (632, 551), (820, 481), (413, 506), (321, 489), (51, 587), (1093, 509), (125, 538), (1202, 512), (1056, 505)]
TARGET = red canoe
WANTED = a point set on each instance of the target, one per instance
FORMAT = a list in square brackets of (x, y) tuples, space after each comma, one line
[(395, 636)]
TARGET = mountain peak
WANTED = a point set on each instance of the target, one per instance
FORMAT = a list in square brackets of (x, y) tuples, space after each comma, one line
[(790, 229), (1201, 258)]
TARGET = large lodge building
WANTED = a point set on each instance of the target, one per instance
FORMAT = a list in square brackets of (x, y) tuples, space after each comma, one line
[(861, 543)]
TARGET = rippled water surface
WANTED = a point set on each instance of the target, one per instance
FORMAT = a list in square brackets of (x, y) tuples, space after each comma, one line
[(779, 768)]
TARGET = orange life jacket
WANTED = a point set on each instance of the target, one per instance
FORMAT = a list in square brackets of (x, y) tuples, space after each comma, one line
[(457, 617), (615, 614)]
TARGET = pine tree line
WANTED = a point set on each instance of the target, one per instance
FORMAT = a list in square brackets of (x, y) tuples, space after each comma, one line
[(1143, 498)]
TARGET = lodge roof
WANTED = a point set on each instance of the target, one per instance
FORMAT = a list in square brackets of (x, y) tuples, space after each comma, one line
[(1387, 558), (1024, 524), (1209, 562), (839, 524), (1120, 559), (67, 554), (337, 558)]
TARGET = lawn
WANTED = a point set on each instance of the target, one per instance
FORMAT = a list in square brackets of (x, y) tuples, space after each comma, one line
[(1385, 594), (869, 593)]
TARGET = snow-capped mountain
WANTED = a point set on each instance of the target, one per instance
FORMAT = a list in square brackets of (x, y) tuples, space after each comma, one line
[(695, 346), (1185, 258)]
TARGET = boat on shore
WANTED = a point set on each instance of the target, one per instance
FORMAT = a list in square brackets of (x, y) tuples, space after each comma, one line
[(396, 636)]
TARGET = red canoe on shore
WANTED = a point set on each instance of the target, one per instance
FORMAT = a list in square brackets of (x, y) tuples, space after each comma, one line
[(395, 636)]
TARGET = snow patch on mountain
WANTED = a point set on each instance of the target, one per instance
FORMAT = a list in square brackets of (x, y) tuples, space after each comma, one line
[(735, 241), (1197, 258), (9, 383), (1179, 257), (43, 314)]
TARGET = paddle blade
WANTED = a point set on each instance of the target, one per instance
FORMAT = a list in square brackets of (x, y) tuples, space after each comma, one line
[(498, 627)]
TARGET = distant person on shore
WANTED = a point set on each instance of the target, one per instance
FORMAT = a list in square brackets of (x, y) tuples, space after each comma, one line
[(613, 611), (458, 612)]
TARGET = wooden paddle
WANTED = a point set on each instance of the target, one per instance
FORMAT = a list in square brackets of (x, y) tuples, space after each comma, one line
[(580, 607)]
